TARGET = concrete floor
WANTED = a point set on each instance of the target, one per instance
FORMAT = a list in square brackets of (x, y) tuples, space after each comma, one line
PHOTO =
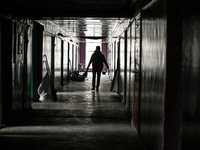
[(80, 119)]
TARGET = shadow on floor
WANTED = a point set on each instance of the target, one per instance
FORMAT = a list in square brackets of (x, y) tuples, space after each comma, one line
[(80, 119)]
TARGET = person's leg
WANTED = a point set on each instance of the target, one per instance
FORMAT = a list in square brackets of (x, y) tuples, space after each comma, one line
[(98, 80), (93, 79)]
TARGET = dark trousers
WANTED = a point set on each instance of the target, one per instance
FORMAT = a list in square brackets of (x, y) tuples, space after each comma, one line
[(94, 73)]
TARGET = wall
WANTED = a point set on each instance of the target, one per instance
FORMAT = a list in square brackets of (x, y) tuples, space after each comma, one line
[(65, 62), (190, 76), (47, 49), (153, 69), (135, 69), (6, 69), (129, 45), (18, 67), (0, 77), (122, 67), (71, 56), (16, 48), (57, 64), (21, 66), (37, 46), (111, 58), (28, 62), (58, 49), (105, 53), (128, 67), (173, 112), (82, 55)]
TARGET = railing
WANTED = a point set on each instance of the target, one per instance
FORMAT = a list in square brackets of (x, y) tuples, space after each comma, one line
[(45, 60)]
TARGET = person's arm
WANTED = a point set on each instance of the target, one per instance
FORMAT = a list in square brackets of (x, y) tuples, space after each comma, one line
[(105, 62)]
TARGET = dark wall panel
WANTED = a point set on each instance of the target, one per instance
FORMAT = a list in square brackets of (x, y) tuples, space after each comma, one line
[(37, 52), (153, 67), (82, 55), (28, 55), (18, 67), (134, 72), (173, 112), (16, 48), (191, 78), (6, 68), (1, 114)]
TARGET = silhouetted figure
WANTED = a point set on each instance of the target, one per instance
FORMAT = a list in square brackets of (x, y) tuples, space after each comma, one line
[(97, 59)]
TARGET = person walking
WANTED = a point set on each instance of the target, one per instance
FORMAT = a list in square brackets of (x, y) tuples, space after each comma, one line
[(97, 59)]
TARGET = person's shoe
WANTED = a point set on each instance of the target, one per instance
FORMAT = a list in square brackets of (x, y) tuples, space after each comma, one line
[(93, 89), (97, 89)]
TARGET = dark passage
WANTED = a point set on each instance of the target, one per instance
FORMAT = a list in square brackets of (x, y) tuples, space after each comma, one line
[(80, 119)]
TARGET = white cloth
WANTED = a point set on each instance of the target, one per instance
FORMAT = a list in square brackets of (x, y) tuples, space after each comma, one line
[(45, 89)]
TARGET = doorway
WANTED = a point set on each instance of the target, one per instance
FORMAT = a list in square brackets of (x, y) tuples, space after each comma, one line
[(90, 48)]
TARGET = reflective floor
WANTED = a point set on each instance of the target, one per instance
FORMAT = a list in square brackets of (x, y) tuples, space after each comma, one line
[(80, 119)]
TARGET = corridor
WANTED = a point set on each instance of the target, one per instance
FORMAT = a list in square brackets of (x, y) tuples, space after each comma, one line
[(80, 119)]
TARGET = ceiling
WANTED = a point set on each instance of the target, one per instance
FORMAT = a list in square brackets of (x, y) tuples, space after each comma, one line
[(81, 18), (87, 28), (69, 8), (76, 4)]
